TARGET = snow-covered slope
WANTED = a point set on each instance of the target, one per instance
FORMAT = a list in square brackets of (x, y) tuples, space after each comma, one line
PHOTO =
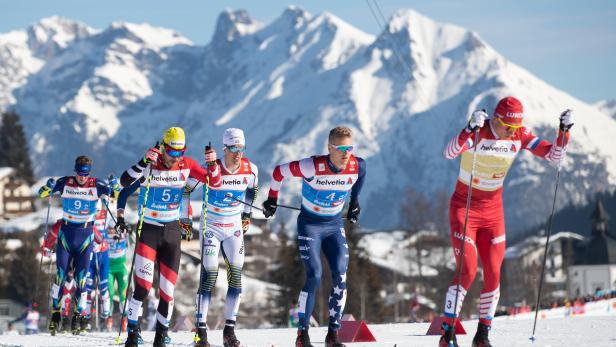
[(573, 331), (111, 93), (608, 107), (24, 52)]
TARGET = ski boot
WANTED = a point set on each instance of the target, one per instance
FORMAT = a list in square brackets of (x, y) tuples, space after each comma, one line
[(161, 339), (228, 337), (481, 336), (75, 324), (84, 324), (302, 340), (134, 337), (54, 322), (201, 338), (66, 323), (447, 337), (331, 339)]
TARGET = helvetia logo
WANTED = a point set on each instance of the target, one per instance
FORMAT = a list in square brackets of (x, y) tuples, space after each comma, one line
[(496, 149), (165, 179), (77, 192), (232, 181), (328, 182)]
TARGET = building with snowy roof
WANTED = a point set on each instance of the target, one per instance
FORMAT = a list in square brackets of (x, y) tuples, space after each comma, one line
[(595, 262), (15, 197), (522, 267)]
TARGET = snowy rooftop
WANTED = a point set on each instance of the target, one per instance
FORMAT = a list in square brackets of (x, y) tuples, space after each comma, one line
[(5, 171), (390, 249), (533, 242), (30, 221)]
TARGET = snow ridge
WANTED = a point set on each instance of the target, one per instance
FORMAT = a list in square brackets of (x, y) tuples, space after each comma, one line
[(110, 93)]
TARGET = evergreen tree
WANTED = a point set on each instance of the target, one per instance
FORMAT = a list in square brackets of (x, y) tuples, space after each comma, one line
[(364, 283), (4, 270), (288, 274), (15, 146), (22, 273)]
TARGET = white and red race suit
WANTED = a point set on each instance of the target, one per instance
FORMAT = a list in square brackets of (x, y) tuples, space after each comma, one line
[(485, 232)]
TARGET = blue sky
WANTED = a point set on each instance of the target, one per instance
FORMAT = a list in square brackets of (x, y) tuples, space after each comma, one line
[(569, 44)]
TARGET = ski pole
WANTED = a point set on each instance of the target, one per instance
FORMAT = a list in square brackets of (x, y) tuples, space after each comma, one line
[(229, 195), (203, 230), (548, 233), (468, 207), (95, 286), (111, 214), (132, 265), (36, 283)]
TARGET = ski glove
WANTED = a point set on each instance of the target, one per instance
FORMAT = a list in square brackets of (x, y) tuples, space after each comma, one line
[(121, 228), (151, 156), (187, 229), (210, 156), (45, 190), (269, 207), (245, 221), (477, 120), (353, 213), (46, 252), (566, 120), (113, 183)]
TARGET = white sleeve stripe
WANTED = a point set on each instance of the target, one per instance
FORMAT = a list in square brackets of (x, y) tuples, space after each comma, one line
[(133, 173), (285, 170), (275, 185), (306, 166)]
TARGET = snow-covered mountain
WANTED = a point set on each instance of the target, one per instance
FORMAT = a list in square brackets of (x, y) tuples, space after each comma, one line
[(110, 93), (608, 107)]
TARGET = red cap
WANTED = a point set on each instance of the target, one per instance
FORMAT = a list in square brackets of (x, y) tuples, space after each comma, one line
[(510, 111)]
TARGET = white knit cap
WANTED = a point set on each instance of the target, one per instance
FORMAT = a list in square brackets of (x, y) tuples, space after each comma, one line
[(233, 136)]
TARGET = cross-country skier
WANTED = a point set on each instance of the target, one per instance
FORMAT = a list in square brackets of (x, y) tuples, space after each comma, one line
[(69, 286), (327, 180), (501, 138), (99, 269), (30, 316), (163, 173), (68, 290), (118, 245), (79, 196), (227, 221)]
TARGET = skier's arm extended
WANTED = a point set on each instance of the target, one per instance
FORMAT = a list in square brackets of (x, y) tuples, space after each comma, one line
[(544, 149), (298, 168)]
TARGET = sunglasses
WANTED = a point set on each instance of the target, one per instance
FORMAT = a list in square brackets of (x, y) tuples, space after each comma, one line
[(83, 170), (343, 148), (513, 127), (174, 152), (235, 149)]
